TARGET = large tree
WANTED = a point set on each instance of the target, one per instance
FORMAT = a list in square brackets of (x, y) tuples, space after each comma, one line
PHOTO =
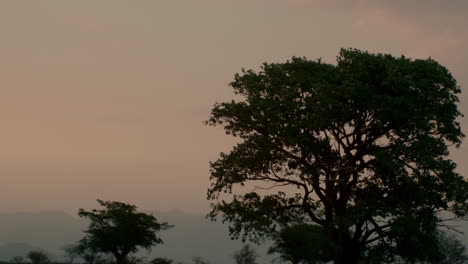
[(119, 229), (360, 148)]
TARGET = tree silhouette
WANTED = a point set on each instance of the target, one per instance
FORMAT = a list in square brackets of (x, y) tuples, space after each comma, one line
[(71, 252), (17, 260), (119, 229), (246, 255), (38, 257), (302, 243), (448, 250), (89, 255), (359, 148), (453, 250)]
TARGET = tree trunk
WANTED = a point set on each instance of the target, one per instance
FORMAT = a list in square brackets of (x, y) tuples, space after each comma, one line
[(122, 259), (347, 251), (347, 256)]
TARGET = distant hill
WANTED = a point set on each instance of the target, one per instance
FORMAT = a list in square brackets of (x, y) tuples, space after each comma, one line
[(193, 235), (47, 230), (8, 251)]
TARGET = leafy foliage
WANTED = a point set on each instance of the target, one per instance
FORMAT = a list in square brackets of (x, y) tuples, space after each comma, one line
[(161, 261), (17, 260), (452, 249), (359, 148), (38, 257), (71, 252), (446, 249), (246, 255), (303, 243), (88, 254), (120, 229)]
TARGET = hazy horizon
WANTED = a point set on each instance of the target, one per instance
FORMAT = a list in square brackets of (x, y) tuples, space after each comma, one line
[(193, 235)]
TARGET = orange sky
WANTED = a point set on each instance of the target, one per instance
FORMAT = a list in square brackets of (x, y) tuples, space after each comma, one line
[(105, 99)]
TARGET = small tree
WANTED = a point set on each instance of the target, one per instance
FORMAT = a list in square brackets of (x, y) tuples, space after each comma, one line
[(38, 257), (119, 229), (246, 255), (17, 260)]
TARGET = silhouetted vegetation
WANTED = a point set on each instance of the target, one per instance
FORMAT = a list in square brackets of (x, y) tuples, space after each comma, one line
[(38, 257), (447, 249), (72, 252), (89, 255), (18, 260), (119, 229), (302, 243), (161, 261), (452, 249), (245, 255), (359, 148)]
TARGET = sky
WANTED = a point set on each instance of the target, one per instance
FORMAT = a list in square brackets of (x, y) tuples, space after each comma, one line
[(106, 99)]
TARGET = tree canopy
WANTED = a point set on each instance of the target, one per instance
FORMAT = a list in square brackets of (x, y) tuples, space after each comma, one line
[(360, 148), (119, 229)]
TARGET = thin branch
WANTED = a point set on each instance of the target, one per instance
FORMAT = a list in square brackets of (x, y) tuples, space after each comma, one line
[(377, 229), (269, 188), (452, 228)]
